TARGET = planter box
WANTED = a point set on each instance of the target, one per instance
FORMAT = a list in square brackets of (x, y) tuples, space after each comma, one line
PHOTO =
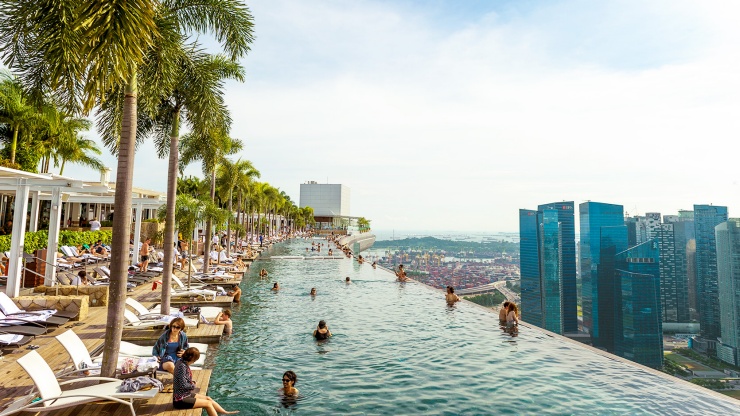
[(78, 304), (98, 294)]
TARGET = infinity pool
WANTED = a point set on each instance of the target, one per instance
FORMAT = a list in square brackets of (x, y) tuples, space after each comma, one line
[(398, 349)]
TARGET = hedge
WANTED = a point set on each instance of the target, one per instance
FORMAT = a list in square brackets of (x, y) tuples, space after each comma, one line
[(38, 240)]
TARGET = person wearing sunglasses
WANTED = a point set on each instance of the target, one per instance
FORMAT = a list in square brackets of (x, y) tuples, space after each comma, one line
[(289, 379), (171, 345), (183, 386)]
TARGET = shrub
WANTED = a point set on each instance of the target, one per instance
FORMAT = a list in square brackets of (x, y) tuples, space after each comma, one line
[(38, 240)]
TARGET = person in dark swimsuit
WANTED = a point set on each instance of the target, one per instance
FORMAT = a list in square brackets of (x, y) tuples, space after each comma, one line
[(322, 331)]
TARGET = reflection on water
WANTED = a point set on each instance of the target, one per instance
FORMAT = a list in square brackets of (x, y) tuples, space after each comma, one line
[(399, 349)]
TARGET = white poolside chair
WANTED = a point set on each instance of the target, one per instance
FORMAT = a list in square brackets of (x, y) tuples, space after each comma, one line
[(183, 290), (208, 312), (53, 398), (133, 322), (9, 308), (144, 314), (128, 349)]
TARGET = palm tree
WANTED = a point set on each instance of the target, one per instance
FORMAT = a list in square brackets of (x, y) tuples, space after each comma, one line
[(210, 148), (188, 212), (16, 111), (82, 51), (191, 90), (229, 175)]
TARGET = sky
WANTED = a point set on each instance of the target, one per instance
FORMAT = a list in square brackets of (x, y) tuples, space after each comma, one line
[(453, 115)]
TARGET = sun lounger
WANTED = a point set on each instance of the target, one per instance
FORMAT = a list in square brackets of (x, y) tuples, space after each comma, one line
[(208, 312), (26, 318), (53, 398), (133, 321), (13, 340), (144, 314), (9, 308), (132, 350)]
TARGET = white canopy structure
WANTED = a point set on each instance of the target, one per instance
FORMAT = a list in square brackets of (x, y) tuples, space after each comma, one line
[(58, 189)]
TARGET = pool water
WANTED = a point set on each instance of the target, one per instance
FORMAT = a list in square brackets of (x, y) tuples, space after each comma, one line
[(398, 349)]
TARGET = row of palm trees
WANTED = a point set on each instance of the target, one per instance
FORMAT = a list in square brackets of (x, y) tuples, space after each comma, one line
[(36, 133), (138, 65)]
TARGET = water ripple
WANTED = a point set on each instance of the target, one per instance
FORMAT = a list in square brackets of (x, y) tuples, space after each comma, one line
[(399, 349)]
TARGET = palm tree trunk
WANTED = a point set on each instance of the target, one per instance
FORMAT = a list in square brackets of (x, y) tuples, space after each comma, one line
[(121, 231), (169, 224), (228, 225), (209, 225), (14, 143), (61, 169)]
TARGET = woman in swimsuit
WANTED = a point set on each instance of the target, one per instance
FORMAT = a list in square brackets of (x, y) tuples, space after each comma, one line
[(401, 273), (289, 379), (322, 331), (451, 297)]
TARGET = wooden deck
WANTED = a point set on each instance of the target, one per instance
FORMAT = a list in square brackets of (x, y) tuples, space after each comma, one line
[(15, 382)]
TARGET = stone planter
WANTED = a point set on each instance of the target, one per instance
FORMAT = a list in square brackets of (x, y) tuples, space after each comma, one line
[(77, 303)]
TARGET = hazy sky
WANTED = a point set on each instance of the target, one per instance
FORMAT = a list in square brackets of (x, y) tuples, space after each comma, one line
[(455, 114)]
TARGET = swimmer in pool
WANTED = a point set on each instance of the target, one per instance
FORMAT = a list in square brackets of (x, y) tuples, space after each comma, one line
[(263, 273), (451, 297), (401, 273), (347, 281), (502, 313), (313, 291), (322, 331), (276, 286), (289, 379)]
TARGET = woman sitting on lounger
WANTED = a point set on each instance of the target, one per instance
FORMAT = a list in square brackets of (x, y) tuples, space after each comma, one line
[(171, 345), (183, 386)]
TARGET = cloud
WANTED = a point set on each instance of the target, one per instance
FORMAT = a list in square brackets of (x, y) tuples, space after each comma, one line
[(442, 116)]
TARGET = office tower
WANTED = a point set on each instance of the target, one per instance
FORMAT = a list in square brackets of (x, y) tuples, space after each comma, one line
[(603, 235), (669, 219), (685, 215), (638, 331), (728, 284), (706, 217), (529, 264), (631, 224), (683, 232), (548, 267), (670, 283), (652, 224)]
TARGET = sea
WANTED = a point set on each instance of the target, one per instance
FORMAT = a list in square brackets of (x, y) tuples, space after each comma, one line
[(453, 235)]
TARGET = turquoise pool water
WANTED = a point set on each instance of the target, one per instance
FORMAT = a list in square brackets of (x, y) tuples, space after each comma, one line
[(398, 349)]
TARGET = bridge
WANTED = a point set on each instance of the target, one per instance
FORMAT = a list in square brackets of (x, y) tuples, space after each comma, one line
[(499, 286)]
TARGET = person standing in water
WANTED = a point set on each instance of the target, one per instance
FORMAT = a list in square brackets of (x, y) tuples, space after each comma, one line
[(289, 379), (401, 273), (502, 313), (451, 297), (322, 331)]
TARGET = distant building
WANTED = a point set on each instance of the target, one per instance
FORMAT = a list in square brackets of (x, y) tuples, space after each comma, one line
[(685, 246), (603, 235), (706, 217), (548, 267), (638, 325), (728, 271), (330, 203)]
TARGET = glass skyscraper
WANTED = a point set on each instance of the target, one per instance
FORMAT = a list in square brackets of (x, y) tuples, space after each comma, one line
[(728, 272), (603, 235), (638, 332), (529, 264), (548, 267), (706, 217)]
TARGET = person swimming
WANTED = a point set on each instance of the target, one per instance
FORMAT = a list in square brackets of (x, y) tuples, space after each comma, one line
[(502, 312), (451, 297), (347, 281), (322, 331), (401, 273), (276, 286), (289, 379), (313, 291), (263, 273)]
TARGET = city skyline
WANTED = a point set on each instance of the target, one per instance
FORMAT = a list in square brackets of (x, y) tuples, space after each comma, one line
[(482, 108)]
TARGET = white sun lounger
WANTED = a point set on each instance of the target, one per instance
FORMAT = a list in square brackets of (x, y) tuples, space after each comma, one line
[(144, 314), (53, 398)]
